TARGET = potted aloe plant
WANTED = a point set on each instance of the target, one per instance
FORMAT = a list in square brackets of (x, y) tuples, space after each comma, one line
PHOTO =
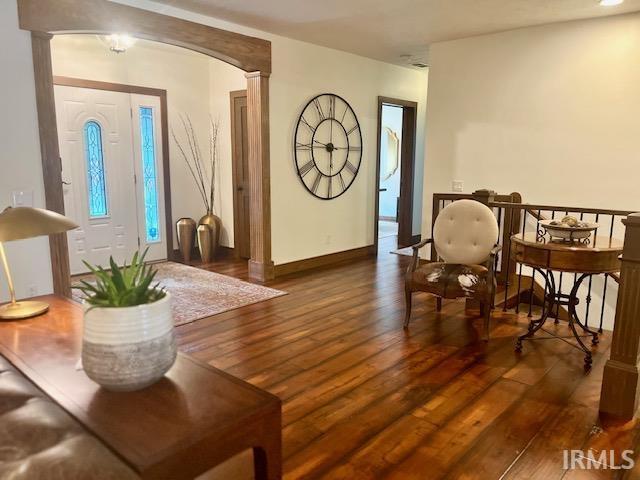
[(128, 340)]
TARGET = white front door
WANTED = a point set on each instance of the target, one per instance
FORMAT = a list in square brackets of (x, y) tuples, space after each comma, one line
[(110, 148)]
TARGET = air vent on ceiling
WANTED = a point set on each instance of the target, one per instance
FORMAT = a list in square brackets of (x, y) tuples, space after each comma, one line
[(417, 60)]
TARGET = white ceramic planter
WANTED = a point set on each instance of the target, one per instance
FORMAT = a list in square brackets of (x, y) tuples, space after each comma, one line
[(128, 348)]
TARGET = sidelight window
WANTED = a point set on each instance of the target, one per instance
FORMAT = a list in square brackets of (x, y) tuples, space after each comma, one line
[(149, 175)]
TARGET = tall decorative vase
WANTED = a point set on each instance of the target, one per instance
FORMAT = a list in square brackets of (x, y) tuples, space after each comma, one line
[(128, 348), (205, 235), (186, 232), (215, 225)]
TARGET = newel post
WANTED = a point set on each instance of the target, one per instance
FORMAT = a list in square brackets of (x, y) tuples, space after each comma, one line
[(619, 395), (484, 196)]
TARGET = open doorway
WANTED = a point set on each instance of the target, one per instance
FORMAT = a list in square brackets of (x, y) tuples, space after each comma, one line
[(395, 167)]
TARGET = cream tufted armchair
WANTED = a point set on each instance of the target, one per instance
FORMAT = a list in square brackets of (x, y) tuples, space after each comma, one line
[(465, 235)]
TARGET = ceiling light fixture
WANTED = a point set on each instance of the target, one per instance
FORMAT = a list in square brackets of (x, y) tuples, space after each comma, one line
[(610, 3), (120, 42)]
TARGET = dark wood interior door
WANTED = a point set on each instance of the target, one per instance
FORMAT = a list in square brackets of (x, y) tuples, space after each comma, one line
[(407, 161), (240, 156)]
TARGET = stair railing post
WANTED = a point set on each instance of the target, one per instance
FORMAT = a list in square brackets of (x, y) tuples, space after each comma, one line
[(484, 195), (619, 394)]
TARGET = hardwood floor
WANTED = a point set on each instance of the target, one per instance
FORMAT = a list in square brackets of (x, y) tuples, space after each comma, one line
[(363, 399)]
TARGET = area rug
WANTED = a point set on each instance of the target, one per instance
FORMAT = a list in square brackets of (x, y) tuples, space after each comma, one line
[(197, 293)]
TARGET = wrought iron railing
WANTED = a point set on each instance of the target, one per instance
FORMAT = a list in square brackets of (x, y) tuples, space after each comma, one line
[(520, 288)]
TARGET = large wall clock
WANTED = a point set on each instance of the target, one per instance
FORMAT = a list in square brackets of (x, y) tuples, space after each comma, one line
[(327, 146)]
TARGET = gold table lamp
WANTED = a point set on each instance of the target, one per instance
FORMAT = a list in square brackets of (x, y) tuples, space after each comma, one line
[(26, 222)]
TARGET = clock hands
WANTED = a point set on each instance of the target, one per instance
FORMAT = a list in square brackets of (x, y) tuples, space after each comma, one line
[(329, 147), (330, 161), (306, 146), (350, 148), (331, 130)]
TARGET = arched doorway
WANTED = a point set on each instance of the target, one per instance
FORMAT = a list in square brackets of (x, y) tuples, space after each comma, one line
[(253, 55)]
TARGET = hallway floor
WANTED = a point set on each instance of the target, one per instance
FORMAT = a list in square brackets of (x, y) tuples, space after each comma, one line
[(387, 229), (365, 399)]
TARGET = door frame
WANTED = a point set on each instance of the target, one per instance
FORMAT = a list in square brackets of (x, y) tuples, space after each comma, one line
[(407, 168), (164, 123), (234, 159), (45, 18)]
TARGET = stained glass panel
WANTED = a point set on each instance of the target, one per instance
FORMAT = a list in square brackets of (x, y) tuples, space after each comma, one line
[(149, 176), (96, 184)]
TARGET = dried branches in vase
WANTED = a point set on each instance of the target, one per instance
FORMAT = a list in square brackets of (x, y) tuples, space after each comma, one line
[(203, 172)]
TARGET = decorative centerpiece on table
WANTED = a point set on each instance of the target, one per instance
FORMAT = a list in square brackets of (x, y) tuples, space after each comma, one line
[(128, 340), (568, 229), (203, 172)]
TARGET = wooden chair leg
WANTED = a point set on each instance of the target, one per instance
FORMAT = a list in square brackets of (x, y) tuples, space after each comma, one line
[(438, 304), (487, 319), (407, 315)]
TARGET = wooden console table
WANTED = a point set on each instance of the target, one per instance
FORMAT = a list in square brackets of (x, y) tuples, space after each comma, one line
[(599, 255), (184, 425)]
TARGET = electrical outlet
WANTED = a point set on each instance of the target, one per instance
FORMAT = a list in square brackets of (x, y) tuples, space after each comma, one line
[(32, 290), (457, 186)]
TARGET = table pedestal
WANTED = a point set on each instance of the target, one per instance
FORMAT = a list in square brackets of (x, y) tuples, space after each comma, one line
[(554, 299)]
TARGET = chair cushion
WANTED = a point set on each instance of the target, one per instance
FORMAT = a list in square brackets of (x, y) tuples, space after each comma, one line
[(449, 280), (40, 441), (465, 231)]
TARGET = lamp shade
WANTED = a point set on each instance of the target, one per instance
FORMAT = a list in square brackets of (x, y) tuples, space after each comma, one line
[(17, 223)]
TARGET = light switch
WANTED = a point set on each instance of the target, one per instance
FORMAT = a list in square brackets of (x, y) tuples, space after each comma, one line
[(22, 198), (457, 186)]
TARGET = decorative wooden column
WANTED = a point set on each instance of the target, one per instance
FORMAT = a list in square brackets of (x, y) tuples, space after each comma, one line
[(51, 163), (260, 264), (619, 395)]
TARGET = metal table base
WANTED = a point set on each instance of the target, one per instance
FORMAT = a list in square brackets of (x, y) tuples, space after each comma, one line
[(554, 299)]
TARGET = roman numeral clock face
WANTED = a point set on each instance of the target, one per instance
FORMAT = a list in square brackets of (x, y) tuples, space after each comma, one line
[(328, 146)]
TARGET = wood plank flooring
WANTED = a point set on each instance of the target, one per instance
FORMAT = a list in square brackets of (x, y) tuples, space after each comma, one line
[(364, 399)]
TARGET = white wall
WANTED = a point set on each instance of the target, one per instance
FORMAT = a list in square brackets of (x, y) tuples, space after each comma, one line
[(551, 112), (20, 162), (196, 85)]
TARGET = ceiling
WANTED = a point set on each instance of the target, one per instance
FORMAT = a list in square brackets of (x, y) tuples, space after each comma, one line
[(387, 29)]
